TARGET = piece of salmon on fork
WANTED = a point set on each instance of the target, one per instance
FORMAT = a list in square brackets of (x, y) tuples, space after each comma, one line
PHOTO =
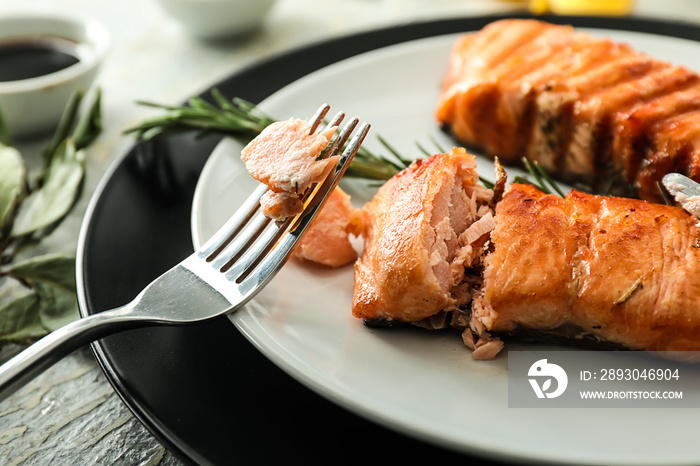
[(219, 278)]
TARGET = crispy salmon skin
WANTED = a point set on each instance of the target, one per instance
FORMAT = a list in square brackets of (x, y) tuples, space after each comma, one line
[(588, 109)]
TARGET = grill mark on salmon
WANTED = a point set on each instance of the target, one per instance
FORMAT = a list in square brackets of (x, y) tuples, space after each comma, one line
[(672, 148), (520, 97), (630, 140), (559, 98), (669, 83), (557, 103), (597, 112)]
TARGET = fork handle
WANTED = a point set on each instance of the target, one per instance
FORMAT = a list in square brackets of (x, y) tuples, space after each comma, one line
[(41, 355)]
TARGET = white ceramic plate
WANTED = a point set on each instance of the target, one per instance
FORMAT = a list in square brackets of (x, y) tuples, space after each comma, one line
[(420, 383)]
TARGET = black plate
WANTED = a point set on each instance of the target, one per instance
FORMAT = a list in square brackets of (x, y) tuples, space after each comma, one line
[(204, 390)]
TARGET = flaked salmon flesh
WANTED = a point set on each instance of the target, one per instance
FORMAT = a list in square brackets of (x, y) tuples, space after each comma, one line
[(327, 241), (285, 156), (590, 110), (423, 231)]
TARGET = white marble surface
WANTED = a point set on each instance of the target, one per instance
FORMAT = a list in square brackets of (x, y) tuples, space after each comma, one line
[(70, 414)]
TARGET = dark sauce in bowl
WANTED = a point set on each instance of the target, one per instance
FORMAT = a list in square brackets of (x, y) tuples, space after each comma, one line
[(31, 57)]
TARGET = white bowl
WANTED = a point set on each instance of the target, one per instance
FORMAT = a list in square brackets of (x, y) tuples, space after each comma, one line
[(35, 105), (216, 19)]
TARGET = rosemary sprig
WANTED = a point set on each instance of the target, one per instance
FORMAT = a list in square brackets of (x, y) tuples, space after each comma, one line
[(664, 194), (242, 119), (543, 182), (371, 166), (236, 117), (487, 183)]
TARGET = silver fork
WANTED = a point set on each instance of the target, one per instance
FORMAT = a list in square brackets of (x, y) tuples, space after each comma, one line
[(219, 278)]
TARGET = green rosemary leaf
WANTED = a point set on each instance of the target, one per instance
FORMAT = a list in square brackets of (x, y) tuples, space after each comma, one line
[(437, 144), (360, 168), (524, 180), (543, 182), (404, 161), (423, 149), (223, 102), (544, 176), (239, 118), (664, 194), (197, 102), (145, 103), (535, 174), (488, 184)]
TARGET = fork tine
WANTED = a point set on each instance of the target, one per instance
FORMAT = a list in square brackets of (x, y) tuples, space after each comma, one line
[(247, 237), (250, 248), (335, 122), (243, 266), (235, 263), (342, 138), (332, 180), (270, 258), (244, 216), (337, 119), (233, 226), (317, 118)]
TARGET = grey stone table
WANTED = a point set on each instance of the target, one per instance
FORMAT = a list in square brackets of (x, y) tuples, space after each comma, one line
[(70, 414)]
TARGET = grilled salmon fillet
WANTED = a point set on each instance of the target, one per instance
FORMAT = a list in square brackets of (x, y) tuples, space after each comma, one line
[(590, 110), (605, 272), (424, 231), (613, 271)]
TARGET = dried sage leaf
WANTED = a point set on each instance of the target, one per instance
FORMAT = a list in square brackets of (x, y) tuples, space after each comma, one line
[(5, 138), (62, 185), (57, 307), (55, 269), (20, 321), (12, 172), (89, 125), (65, 125)]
